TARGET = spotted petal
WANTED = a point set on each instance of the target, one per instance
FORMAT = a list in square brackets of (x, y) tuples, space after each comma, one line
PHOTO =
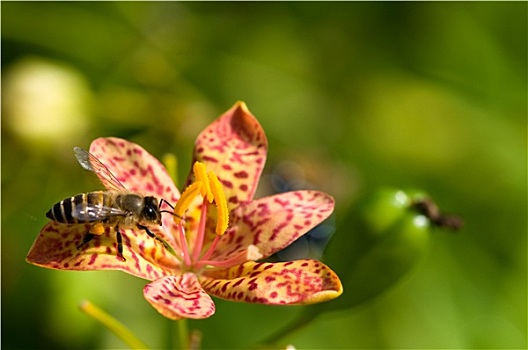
[(139, 172), (295, 282), (177, 297), (56, 248), (273, 223), (234, 146)]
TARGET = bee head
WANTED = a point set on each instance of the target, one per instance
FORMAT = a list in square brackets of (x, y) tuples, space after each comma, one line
[(151, 210)]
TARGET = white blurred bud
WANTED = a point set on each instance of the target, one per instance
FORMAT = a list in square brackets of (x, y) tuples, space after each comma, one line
[(45, 102)]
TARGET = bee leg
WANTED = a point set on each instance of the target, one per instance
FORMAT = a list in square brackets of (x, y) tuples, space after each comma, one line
[(86, 239), (96, 229), (119, 239), (145, 228)]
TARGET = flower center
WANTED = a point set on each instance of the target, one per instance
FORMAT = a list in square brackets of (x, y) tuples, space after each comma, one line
[(208, 187)]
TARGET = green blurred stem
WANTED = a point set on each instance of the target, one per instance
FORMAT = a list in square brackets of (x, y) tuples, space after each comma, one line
[(183, 332), (112, 324)]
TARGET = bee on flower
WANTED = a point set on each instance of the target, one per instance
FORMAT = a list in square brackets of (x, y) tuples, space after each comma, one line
[(213, 244)]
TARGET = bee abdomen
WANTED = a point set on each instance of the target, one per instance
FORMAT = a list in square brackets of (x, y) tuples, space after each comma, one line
[(73, 210)]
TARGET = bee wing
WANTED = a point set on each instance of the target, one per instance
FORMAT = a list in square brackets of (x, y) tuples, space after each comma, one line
[(89, 162), (89, 213)]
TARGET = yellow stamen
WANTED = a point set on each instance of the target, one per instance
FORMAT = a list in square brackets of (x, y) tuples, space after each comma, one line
[(222, 213), (186, 199), (200, 173)]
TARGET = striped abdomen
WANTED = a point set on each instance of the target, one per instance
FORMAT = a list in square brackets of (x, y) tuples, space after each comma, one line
[(81, 208)]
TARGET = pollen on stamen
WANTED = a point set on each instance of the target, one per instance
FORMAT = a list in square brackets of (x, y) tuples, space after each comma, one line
[(200, 172), (221, 203), (185, 200)]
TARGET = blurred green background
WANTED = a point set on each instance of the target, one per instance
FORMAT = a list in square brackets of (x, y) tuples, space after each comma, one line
[(360, 95)]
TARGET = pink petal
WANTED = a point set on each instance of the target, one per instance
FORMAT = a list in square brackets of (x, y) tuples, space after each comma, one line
[(177, 297), (294, 282), (137, 169), (140, 173), (56, 248), (273, 223), (234, 146)]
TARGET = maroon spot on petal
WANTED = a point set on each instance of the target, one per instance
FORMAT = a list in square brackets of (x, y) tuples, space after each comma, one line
[(277, 229), (227, 167), (241, 174), (243, 187), (252, 284), (253, 274), (273, 295), (224, 287), (118, 159), (227, 183), (210, 159), (239, 282), (93, 257), (269, 279), (281, 202)]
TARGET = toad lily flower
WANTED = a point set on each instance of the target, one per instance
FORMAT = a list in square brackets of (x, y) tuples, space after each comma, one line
[(217, 233)]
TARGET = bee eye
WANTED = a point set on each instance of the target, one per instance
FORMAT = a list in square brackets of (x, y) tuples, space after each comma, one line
[(150, 209), (150, 213)]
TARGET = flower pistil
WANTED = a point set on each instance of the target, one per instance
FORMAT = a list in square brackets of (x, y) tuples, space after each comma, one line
[(209, 188)]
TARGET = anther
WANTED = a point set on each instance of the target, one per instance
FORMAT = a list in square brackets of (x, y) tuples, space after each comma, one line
[(186, 199), (200, 172), (222, 212)]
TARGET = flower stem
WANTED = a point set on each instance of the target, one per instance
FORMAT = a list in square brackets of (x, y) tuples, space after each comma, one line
[(112, 324), (183, 332)]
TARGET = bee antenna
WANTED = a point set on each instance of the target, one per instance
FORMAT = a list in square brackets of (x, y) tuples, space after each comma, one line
[(172, 213), (164, 201), (168, 211)]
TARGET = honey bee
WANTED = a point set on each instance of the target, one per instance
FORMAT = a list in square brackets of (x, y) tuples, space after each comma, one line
[(117, 208)]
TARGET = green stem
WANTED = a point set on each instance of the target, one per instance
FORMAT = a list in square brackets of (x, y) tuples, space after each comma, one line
[(183, 332), (112, 324)]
